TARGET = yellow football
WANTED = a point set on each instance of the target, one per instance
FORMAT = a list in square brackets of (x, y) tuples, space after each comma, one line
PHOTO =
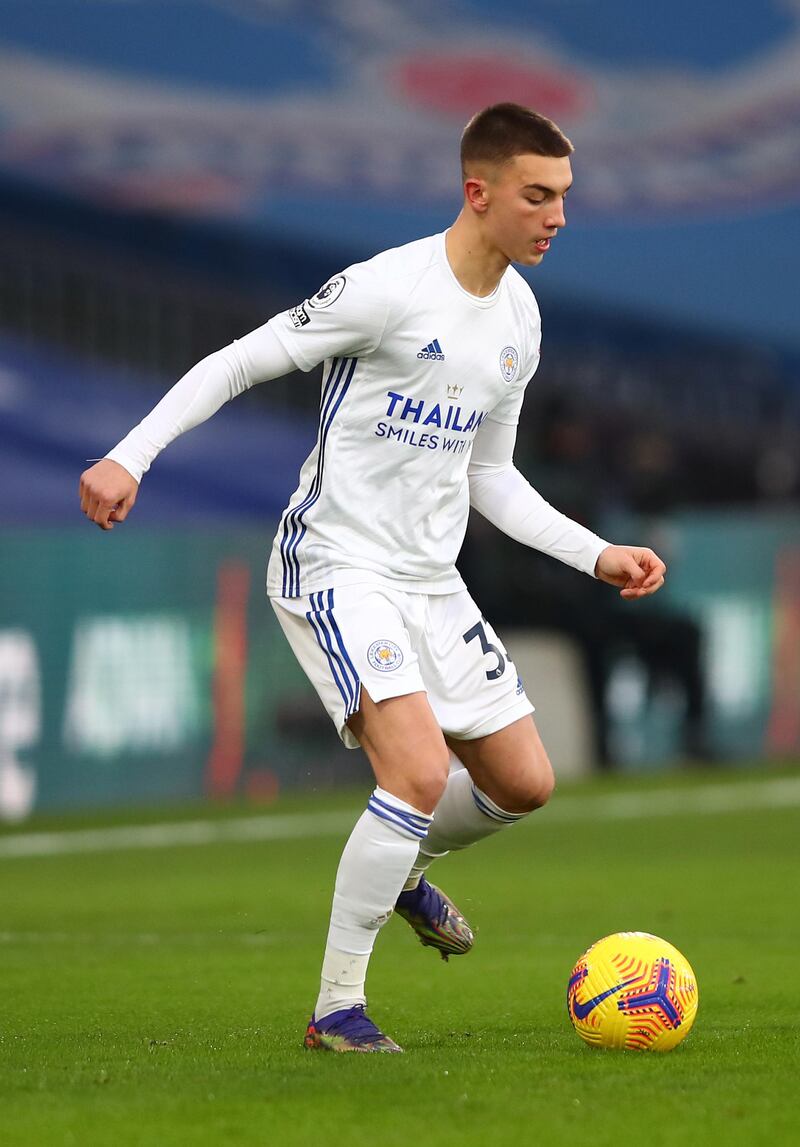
[(632, 990)]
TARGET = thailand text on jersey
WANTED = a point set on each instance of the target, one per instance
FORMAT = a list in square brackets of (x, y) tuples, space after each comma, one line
[(413, 366)]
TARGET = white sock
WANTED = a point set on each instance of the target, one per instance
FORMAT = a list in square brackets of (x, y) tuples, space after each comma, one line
[(463, 815), (375, 863)]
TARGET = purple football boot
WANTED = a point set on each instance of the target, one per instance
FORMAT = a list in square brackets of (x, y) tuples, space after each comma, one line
[(435, 919), (350, 1029)]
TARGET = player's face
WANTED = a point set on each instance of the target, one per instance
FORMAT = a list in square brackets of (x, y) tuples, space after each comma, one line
[(524, 206)]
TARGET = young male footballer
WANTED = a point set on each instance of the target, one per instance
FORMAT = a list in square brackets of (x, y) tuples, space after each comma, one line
[(427, 350)]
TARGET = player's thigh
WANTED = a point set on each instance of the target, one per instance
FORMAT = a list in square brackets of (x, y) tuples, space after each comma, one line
[(405, 747), (357, 646), (352, 637), (473, 685), (510, 765)]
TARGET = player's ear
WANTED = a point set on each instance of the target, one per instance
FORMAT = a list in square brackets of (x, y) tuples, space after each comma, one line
[(475, 193)]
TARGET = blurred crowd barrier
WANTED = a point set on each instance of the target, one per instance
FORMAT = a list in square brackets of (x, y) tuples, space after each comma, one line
[(148, 666), (734, 576), (299, 122)]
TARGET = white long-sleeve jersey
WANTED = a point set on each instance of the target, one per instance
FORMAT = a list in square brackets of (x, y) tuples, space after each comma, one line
[(422, 389)]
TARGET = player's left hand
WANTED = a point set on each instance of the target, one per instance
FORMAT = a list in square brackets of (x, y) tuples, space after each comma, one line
[(638, 572)]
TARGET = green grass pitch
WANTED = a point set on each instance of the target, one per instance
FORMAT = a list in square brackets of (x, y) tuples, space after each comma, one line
[(159, 996)]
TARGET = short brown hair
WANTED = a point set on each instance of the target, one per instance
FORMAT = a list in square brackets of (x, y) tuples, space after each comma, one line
[(501, 131)]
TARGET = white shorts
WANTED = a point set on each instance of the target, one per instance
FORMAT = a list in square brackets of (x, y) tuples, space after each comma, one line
[(397, 643)]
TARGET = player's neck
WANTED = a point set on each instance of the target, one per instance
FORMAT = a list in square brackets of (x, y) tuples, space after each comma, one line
[(477, 266)]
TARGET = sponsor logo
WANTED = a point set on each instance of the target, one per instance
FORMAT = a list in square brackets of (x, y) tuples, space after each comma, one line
[(443, 418), (432, 351), (385, 656), (299, 316), (648, 998), (328, 294), (582, 1009), (509, 362)]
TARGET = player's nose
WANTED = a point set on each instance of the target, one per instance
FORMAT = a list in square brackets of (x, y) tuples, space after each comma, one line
[(557, 216)]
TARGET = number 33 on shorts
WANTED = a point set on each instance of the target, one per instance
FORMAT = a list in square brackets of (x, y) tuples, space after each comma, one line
[(478, 630)]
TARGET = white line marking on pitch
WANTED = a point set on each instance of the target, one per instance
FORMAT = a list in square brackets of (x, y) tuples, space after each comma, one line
[(147, 939), (288, 827), (703, 800)]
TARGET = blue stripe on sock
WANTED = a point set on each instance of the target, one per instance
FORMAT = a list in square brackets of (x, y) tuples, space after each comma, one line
[(419, 819), (401, 824), (504, 818)]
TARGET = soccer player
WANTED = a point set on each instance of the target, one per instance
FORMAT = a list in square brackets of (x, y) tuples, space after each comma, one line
[(427, 351)]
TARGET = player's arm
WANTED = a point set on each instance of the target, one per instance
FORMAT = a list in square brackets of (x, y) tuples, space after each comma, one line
[(108, 489), (502, 495), (346, 317)]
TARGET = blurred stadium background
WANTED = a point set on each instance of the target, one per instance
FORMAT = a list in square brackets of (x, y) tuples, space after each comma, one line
[(173, 174)]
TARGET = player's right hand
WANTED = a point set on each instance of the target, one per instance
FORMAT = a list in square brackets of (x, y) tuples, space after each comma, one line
[(107, 493)]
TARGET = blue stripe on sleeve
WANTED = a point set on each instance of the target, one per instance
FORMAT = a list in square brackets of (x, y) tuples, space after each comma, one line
[(333, 400), (290, 514)]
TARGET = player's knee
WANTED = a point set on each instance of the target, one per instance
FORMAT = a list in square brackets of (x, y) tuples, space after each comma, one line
[(542, 785), (529, 790), (427, 784), (428, 793)]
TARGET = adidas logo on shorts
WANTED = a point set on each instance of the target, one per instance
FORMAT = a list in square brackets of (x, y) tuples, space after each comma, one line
[(432, 350)]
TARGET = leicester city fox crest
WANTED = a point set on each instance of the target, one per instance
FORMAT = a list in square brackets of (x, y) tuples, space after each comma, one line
[(385, 656), (509, 362)]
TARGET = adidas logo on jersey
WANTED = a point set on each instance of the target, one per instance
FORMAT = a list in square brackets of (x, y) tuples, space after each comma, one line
[(432, 350)]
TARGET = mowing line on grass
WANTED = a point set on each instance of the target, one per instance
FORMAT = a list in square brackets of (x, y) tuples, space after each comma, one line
[(292, 826), (705, 800), (149, 939)]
